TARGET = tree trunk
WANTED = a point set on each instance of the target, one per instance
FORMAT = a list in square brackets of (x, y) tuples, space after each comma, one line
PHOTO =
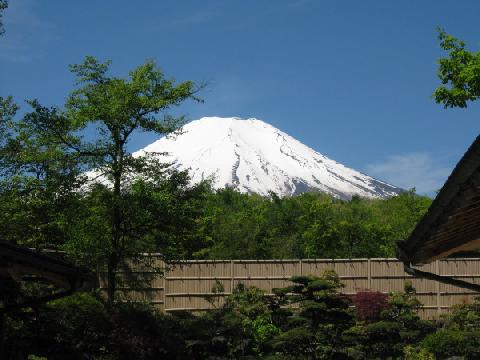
[(112, 265), (114, 257), (3, 347), (111, 280)]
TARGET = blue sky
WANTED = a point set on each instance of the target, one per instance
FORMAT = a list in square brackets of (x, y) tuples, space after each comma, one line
[(351, 79)]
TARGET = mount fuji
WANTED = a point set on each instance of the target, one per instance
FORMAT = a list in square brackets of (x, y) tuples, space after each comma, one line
[(254, 157)]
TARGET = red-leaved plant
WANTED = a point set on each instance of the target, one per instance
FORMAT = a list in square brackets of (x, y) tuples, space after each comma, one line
[(369, 305)]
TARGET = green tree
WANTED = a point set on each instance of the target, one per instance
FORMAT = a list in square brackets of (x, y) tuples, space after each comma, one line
[(3, 6), (319, 316), (459, 73), (311, 225), (234, 226), (38, 183), (117, 108), (459, 335), (100, 117), (8, 110), (160, 214), (399, 326), (248, 308), (453, 344)]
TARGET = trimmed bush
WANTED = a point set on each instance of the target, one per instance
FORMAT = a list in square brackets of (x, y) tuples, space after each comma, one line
[(445, 343), (369, 305)]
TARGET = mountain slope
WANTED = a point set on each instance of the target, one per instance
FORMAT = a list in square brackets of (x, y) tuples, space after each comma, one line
[(253, 156)]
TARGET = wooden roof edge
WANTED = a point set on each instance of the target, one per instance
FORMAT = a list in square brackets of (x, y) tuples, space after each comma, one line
[(44, 261), (463, 171)]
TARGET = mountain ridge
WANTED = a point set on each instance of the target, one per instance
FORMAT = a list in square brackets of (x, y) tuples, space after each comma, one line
[(251, 155)]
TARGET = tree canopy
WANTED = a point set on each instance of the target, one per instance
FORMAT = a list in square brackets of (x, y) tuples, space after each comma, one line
[(3, 6), (459, 73), (311, 225), (47, 154)]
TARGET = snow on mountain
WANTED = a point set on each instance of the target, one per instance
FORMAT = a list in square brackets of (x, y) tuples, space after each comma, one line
[(253, 156)]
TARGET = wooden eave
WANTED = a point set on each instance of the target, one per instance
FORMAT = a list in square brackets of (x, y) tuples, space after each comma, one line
[(18, 261), (452, 223)]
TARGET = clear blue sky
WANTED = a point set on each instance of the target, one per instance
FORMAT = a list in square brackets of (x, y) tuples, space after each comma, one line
[(352, 79)]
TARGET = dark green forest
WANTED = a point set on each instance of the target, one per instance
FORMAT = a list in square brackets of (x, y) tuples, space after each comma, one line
[(311, 225), (200, 223)]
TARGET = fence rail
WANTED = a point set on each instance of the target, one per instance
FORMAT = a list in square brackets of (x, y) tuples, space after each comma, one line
[(188, 284)]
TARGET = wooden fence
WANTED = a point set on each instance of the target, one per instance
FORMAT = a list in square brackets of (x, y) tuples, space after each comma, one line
[(189, 284)]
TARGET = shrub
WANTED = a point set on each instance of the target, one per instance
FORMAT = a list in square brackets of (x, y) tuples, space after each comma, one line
[(369, 305), (319, 315), (464, 317), (354, 340), (384, 339), (403, 306), (80, 327), (294, 342), (247, 319), (414, 353), (139, 332), (74, 325), (398, 327), (446, 343)]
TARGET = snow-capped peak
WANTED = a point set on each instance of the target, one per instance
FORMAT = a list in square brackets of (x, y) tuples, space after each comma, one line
[(253, 156)]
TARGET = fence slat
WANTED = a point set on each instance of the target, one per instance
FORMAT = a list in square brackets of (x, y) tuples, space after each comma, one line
[(191, 282)]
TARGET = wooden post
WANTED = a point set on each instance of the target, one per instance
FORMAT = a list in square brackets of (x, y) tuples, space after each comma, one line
[(369, 274), (164, 285), (232, 276), (164, 290), (300, 262), (439, 305)]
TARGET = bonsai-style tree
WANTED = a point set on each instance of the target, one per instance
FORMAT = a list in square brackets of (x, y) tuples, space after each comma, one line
[(319, 315)]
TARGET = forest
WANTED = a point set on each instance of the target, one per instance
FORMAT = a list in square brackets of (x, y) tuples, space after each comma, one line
[(201, 223), (311, 225)]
